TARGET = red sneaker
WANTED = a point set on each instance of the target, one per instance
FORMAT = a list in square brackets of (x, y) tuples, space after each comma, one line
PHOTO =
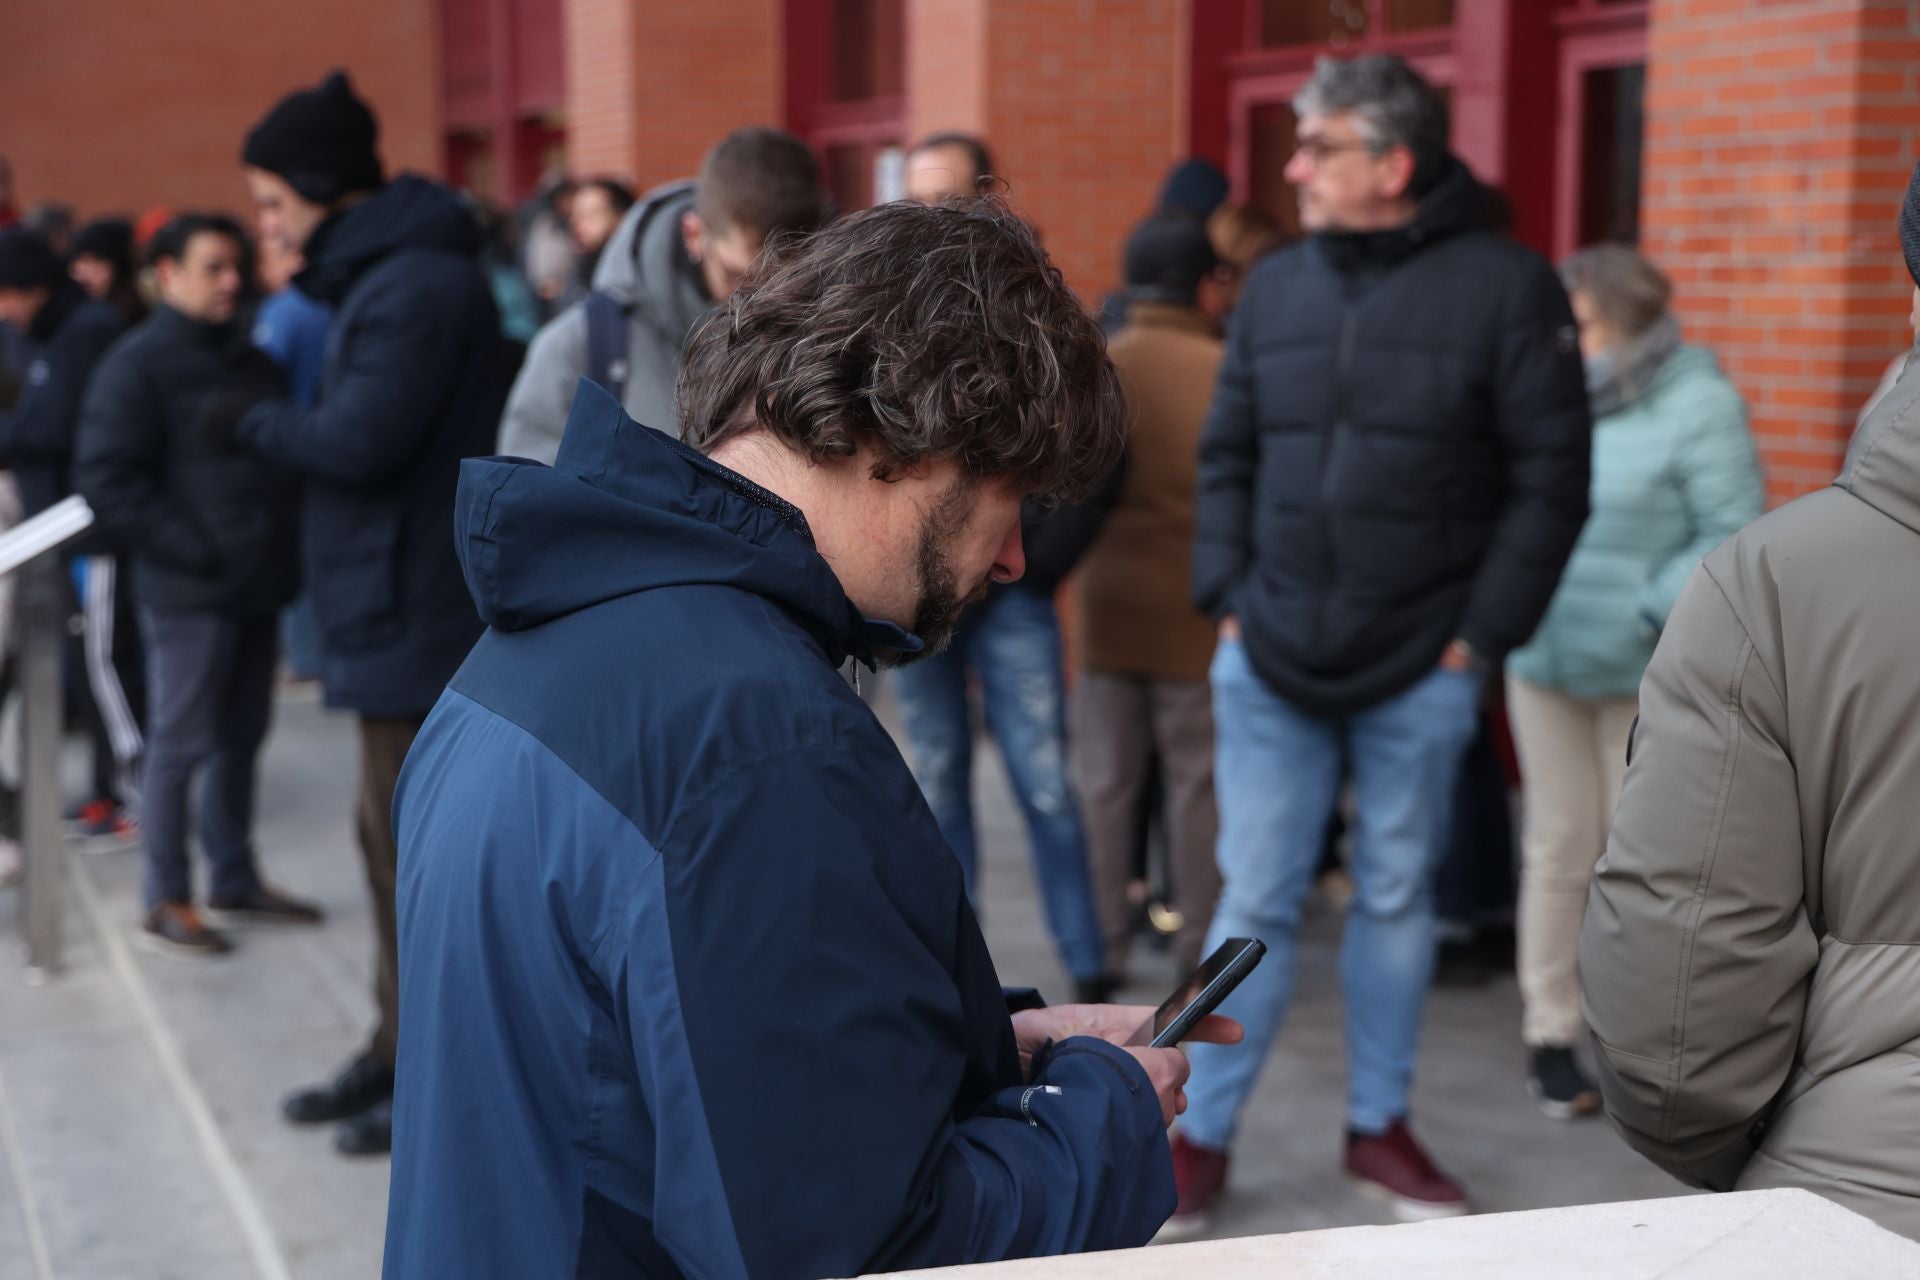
[(1394, 1168), (104, 824), (1199, 1173)]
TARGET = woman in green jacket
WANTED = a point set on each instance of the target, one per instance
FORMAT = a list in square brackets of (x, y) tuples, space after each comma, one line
[(1674, 473)]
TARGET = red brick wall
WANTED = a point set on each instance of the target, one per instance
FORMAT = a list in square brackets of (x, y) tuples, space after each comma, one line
[(1082, 103), (118, 105), (601, 47), (1779, 139), (651, 87), (946, 70)]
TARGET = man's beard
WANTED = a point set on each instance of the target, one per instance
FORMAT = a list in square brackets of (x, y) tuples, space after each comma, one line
[(941, 605)]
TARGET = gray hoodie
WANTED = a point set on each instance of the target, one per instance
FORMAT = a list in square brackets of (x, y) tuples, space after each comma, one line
[(645, 269), (1751, 956)]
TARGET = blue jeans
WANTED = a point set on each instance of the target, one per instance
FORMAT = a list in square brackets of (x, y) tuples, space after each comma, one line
[(1278, 779), (1013, 643)]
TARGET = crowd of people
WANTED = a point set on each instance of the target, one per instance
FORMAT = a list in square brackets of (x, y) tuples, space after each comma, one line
[(633, 836)]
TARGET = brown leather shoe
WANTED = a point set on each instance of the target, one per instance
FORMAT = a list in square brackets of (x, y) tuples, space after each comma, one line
[(175, 928), (1394, 1168)]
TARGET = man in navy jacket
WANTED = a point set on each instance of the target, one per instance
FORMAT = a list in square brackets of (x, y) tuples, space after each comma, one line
[(411, 383), (693, 986)]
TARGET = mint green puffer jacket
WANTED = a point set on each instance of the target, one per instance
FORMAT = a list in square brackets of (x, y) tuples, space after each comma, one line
[(1674, 474)]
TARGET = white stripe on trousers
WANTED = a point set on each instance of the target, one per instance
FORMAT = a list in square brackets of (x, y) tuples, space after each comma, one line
[(123, 731)]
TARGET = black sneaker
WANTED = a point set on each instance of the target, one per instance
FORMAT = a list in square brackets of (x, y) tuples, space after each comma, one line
[(368, 1134), (1558, 1086), (175, 928), (364, 1084), (267, 906)]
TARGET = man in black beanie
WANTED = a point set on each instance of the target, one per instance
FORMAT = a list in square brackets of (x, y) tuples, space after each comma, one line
[(411, 386)]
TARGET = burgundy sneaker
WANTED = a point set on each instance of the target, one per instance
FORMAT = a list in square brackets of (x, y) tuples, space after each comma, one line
[(1392, 1167), (1199, 1174)]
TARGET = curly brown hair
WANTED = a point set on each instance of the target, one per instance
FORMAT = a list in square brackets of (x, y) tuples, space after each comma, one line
[(924, 332)]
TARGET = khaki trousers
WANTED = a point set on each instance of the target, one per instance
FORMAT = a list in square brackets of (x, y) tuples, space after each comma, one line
[(1573, 757), (1120, 723)]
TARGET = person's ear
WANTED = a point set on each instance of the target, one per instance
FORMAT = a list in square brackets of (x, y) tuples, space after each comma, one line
[(693, 234), (1396, 172)]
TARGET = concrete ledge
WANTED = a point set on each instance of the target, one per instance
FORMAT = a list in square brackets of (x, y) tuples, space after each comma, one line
[(1739, 1236)]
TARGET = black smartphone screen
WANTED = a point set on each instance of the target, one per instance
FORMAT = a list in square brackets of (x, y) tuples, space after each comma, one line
[(1201, 993)]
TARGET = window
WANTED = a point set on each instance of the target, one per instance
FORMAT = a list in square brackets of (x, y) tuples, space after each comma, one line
[(1270, 145), (868, 49), (846, 92), (1611, 127)]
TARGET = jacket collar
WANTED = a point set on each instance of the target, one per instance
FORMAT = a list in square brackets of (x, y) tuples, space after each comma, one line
[(1457, 203)]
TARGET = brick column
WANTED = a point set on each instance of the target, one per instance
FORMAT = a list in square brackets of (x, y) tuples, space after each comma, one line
[(650, 87), (1779, 139), (601, 48), (1082, 104), (946, 67)]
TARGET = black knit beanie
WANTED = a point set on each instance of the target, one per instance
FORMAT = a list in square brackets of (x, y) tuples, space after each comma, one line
[(109, 239), (321, 140), (27, 261), (1910, 226)]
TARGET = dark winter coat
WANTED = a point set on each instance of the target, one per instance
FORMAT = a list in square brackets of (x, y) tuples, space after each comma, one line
[(693, 984), (211, 530), (1397, 454), (413, 383), (71, 333)]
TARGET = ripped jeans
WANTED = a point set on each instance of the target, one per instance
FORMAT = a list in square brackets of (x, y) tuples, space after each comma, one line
[(1012, 642)]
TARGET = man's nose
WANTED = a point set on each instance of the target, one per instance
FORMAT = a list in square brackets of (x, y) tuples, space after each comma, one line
[(1011, 561)]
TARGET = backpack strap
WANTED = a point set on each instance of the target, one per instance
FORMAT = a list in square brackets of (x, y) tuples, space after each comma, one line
[(607, 343)]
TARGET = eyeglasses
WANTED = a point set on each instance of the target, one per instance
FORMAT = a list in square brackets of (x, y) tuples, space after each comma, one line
[(1319, 150)]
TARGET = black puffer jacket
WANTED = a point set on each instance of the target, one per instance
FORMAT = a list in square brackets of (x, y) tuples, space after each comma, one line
[(72, 332), (414, 380), (212, 530), (1397, 454)]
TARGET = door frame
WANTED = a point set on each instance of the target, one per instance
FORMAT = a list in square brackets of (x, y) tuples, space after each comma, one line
[(1592, 38)]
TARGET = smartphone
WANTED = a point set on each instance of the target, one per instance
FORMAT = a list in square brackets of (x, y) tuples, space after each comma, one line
[(1201, 993)]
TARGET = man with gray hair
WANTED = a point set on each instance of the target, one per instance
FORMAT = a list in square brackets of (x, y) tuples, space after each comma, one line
[(1392, 476)]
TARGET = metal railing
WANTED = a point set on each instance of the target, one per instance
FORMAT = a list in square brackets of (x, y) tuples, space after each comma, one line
[(30, 551)]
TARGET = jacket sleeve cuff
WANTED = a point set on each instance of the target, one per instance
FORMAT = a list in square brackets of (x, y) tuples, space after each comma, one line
[(1084, 1057)]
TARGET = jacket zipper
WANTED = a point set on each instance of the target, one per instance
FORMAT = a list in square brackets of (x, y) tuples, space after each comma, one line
[(1343, 370)]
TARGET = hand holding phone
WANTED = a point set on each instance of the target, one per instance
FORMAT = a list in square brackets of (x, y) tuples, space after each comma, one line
[(1200, 994)]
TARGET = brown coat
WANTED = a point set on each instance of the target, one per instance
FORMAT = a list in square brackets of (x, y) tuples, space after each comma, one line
[(1135, 601)]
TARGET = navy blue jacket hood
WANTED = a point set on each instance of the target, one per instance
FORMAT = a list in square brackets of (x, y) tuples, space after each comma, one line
[(692, 983), (408, 213), (616, 486)]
